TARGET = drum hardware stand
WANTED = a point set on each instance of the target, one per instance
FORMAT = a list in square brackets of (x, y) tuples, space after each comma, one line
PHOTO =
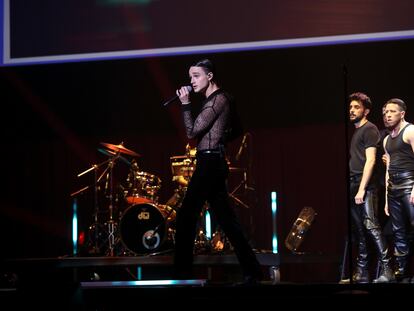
[(96, 247), (95, 225), (111, 223), (248, 145), (246, 187)]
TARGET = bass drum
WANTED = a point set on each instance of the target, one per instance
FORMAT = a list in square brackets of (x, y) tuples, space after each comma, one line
[(147, 228)]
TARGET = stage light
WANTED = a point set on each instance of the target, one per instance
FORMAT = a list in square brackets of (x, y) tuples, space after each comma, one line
[(75, 226), (208, 225), (273, 197)]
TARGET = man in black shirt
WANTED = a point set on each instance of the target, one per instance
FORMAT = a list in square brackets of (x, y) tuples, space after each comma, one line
[(363, 191), (212, 128), (399, 147)]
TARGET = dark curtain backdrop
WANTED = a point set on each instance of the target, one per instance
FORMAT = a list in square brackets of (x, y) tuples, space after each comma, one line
[(291, 101)]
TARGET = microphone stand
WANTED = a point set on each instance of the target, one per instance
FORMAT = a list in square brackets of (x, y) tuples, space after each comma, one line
[(348, 239)]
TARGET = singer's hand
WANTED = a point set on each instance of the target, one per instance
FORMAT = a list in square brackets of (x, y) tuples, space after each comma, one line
[(184, 95)]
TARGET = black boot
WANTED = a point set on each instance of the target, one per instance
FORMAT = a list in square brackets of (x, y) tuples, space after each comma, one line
[(360, 275), (386, 275), (401, 269)]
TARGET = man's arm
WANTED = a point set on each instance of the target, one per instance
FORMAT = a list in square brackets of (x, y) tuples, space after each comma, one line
[(366, 174), (408, 137), (386, 176)]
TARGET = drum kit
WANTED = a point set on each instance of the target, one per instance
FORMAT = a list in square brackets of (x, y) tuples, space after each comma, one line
[(135, 222)]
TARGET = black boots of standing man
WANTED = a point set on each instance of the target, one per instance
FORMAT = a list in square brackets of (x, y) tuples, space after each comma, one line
[(361, 274), (401, 274)]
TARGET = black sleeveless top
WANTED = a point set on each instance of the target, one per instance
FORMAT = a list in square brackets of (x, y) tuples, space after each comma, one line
[(401, 153)]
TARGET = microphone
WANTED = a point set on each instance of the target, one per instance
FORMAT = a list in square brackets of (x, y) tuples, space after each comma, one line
[(189, 88), (241, 147)]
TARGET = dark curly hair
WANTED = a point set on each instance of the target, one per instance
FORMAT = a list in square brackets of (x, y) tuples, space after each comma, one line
[(362, 99)]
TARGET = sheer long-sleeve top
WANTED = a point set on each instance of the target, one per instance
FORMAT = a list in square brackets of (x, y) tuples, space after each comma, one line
[(211, 124)]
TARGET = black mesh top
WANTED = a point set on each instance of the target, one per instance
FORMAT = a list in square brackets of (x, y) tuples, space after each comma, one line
[(212, 123)]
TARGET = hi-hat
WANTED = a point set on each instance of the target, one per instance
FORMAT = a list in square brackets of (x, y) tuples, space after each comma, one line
[(120, 148)]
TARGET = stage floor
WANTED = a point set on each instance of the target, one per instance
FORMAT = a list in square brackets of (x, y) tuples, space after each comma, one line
[(112, 283), (293, 296), (218, 267)]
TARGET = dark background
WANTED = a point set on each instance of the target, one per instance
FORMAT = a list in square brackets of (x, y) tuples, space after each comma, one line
[(291, 101)]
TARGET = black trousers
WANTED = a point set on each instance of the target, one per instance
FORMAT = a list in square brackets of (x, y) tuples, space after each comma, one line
[(209, 183), (402, 214), (365, 223)]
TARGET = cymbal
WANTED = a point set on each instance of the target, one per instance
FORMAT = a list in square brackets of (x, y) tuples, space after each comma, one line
[(120, 148)]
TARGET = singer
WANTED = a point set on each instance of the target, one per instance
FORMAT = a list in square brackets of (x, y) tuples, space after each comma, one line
[(212, 128)]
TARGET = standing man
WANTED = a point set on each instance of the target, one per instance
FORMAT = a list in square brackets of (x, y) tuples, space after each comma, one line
[(363, 191), (212, 128), (399, 147)]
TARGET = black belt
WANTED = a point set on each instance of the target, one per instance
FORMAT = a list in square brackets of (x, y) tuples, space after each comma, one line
[(399, 175), (209, 151), (355, 178), (218, 151)]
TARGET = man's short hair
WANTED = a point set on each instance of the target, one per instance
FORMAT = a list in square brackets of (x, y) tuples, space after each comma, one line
[(206, 64), (399, 102)]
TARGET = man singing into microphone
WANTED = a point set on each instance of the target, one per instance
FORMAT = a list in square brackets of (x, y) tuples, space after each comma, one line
[(212, 128)]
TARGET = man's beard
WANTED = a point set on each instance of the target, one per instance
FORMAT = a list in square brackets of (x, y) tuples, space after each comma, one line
[(356, 120)]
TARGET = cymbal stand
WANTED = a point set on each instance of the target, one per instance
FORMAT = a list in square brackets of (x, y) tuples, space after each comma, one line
[(95, 225), (95, 214), (111, 223), (242, 183), (246, 144)]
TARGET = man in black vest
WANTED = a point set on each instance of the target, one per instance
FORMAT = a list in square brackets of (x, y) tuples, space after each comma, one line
[(399, 148)]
